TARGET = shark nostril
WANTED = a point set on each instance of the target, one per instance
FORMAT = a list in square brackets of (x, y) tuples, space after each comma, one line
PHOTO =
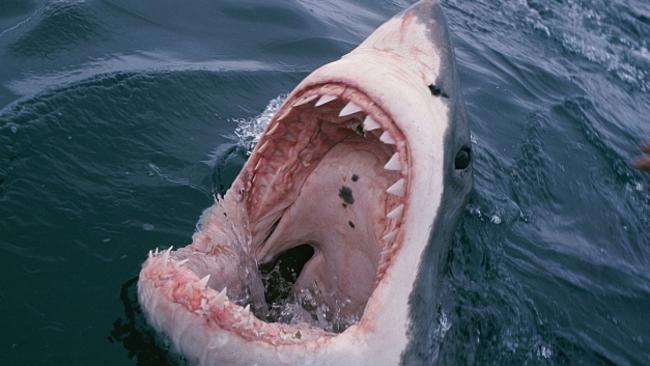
[(436, 91)]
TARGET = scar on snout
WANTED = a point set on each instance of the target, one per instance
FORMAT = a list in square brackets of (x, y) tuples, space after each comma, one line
[(351, 224), (346, 195)]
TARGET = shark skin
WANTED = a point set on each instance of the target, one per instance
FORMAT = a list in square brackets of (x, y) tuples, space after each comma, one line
[(387, 117)]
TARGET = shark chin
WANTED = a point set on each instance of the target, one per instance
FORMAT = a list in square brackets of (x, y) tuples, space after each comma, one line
[(347, 207)]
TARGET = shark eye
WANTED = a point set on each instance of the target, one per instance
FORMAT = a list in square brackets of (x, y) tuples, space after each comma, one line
[(463, 158)]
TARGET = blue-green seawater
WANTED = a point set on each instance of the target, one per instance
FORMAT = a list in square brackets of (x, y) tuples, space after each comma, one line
[(117, 126)]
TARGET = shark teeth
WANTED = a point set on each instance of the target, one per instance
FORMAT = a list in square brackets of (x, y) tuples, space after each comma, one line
[(165, 256), (221, 297), (273, 129), (284, 114), (325, 99), (349, 109), (387, 138), (247, 310), (396, 212), (246, 317), (343, 109), (182, 263), (390, 236), (259, 163), (397, 189), (369, 124), (203, 282), (263, 147), (394, 163)]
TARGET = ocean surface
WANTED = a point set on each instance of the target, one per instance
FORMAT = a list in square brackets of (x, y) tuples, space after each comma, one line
[(119, 120)]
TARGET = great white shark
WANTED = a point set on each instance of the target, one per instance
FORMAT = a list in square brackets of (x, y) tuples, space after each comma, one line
[(367, 165)]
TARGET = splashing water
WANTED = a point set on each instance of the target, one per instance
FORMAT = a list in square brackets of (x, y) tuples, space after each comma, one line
[(249, 130)]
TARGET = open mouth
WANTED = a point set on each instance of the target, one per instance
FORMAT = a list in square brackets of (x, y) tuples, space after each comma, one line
[(296, 249)]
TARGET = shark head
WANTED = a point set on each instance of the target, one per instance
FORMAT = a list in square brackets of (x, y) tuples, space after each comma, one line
[(329, 247)]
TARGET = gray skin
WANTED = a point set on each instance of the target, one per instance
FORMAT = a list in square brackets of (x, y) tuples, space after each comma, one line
[(425, 297)]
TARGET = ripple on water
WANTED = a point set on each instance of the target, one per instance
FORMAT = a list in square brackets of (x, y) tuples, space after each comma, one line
[(59, 27)]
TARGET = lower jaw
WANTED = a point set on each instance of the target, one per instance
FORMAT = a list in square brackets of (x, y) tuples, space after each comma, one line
[(174, 298)]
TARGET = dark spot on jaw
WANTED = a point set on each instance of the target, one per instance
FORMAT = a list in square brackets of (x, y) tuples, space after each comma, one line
[(355, 177), (351, 224), (436, 92), (346, 195)]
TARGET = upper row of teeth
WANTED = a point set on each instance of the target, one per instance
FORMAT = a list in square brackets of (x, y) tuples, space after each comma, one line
[(393, 164)]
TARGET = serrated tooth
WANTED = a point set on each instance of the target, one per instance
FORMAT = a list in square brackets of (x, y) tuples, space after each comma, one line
[(370, 124), (284, 114), (244, 322), (349, 109), (397, 189), (257, 166), (396, 212), (150, 254), (393, 163), (325, 99), (273, 129), (182, 263), (386, 138), (304, 100), (222, 296), (247, 310), (390, 236), (263, 148), (165, 257), (203, 282), (155, 253)]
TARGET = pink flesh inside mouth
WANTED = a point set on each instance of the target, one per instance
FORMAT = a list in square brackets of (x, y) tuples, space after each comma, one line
[(325, 190)]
